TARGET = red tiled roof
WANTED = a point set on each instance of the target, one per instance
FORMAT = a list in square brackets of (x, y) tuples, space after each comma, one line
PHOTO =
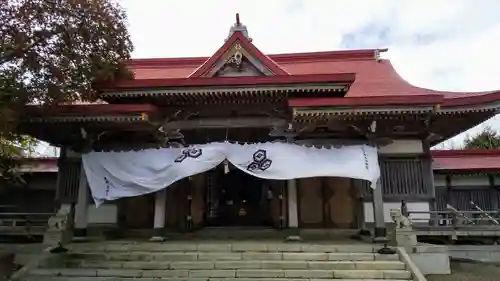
[(39, 165), (374, 78), (414, 100), (471, 160), (92, 109), (347, 78)]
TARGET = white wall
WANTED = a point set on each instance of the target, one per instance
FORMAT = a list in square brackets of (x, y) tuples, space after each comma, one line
[(105, 214), (497, 180), (388, 206), (403, 147), (472, 180), (465, 181), (439, 180)]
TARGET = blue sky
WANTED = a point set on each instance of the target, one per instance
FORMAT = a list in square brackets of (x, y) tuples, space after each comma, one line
[(439, 44)]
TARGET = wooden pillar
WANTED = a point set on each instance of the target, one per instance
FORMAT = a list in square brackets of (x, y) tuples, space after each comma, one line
[(430, 183), (493, 193), (380, 230), (293, 211), (159, 216), (293, 216), (68, 177), (448, 190), (81, 208)]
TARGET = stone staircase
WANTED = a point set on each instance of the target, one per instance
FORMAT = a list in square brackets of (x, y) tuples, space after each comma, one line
[(202, 261)]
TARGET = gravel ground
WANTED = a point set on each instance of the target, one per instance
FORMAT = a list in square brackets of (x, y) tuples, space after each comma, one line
[(468, 271)]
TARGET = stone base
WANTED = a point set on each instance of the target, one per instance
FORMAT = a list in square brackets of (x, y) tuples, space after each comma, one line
[(381, 240), (159, 231), (56, 237), (158, 235), (157, 239), (80, 232), (406, 239), (380, 235), (80, 235), (80, 239), (292, 235), (293, 238), (380, 232)]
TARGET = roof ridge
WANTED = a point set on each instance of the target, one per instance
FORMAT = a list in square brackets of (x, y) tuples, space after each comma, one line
[(464, 152), (339, 54)]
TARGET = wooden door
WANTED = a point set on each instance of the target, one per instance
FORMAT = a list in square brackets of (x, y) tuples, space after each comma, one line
[(239, 199), (340, 204), (310, 201), (276, 202), (198, 186), (176, 207), (138, 212)]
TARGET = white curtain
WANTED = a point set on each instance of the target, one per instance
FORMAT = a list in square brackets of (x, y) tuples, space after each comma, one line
[(113, 175)]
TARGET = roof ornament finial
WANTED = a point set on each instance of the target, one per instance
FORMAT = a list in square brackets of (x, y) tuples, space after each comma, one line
[(238, 26), (377, 55)]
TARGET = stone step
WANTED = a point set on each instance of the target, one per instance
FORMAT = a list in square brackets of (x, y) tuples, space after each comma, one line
[(65, 278), (251, 264), (239, 273), (232, 256), (222, 247)]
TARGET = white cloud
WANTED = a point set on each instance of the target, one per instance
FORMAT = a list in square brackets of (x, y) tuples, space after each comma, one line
[(444, 44)]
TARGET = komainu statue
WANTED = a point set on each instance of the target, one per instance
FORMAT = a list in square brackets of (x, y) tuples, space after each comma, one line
[(59, 231), (400, 220), (403, 234)]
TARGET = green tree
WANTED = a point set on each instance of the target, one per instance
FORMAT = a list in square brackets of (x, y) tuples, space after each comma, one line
[(13, 148), (54, 51), (487, 139)]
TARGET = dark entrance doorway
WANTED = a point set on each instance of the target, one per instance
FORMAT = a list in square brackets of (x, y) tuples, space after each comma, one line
[(235, 198)]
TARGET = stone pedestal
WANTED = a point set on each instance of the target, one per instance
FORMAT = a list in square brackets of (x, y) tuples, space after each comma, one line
[(60, 226), (157, 239), (405, 238), (403, 235)]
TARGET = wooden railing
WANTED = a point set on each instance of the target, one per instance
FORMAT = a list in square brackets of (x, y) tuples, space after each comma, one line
[(29, 224)]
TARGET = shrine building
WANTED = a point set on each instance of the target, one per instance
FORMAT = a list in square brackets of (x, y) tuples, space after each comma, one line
[(329, 100)]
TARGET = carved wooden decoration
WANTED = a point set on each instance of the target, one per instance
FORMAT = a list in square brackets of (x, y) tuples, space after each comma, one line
[(243, 68), (238, 62)]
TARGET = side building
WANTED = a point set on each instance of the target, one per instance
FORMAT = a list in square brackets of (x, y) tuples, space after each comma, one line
[(26, 205)]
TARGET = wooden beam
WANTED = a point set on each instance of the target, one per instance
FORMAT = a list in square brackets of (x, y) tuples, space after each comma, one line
[(223, 123)]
